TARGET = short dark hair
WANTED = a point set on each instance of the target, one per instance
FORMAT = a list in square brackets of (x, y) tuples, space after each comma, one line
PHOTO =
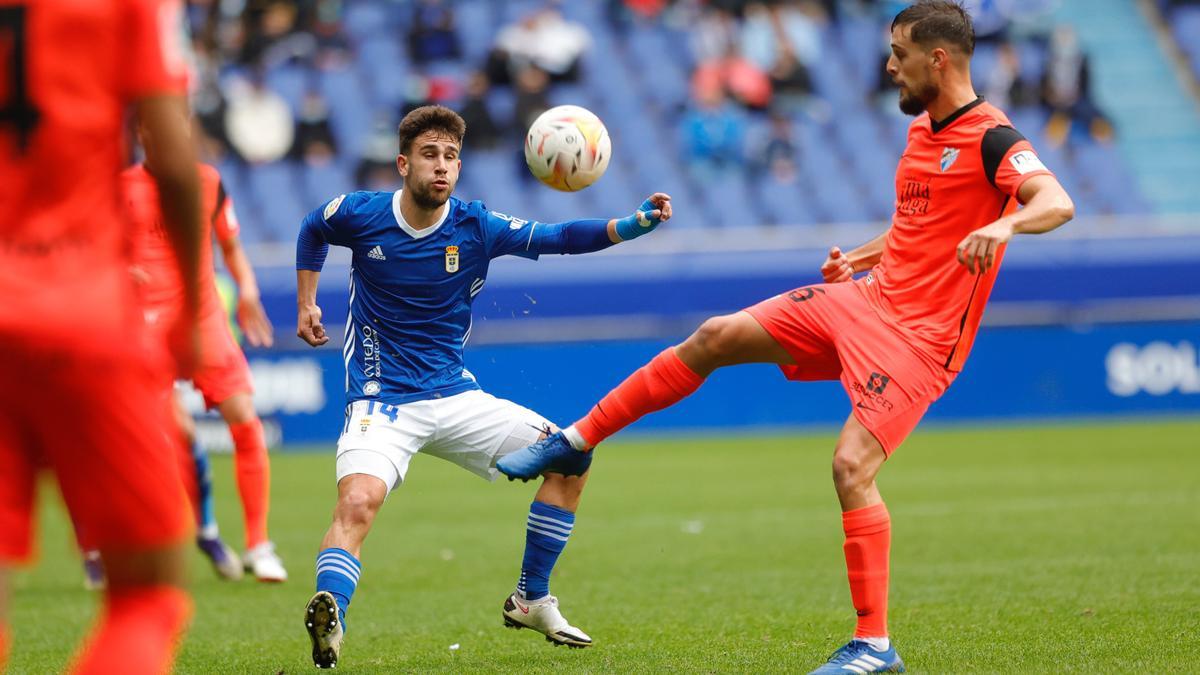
[(430, 118), (938, 21)]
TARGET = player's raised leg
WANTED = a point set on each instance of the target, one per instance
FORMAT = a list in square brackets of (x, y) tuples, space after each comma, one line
[(868, 530), (338, 567), (547, 530), (668, 378)]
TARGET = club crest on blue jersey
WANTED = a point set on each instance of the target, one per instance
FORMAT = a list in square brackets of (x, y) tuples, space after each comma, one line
[(451, 259), (949, 156)]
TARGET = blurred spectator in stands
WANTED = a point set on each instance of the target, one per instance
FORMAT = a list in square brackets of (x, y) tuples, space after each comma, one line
[(1066, 91), (714, 34), (314, 143), (484, 131), (712, 132), (532, 84), (758, 36), (736, 75), (543, 39), (431, 33), (208, 104), (333, 47), (620, 13), (532, 97), (791, 83), (425, 90), (258, 121), (777, 151), (273, 33), (377, 167), (799, 24), (1003, 86)]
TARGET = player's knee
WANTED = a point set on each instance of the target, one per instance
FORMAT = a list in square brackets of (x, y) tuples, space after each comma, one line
[(715, 339), (357, 507), (238, 409), (851, 469)]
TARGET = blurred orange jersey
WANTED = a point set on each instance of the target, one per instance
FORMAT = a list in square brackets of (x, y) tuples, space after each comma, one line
[(955, 176), (68, 71), (162, 289)]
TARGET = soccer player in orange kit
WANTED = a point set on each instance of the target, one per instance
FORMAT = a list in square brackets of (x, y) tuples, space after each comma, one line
[(895, 337), (222, 376), (81, 383)]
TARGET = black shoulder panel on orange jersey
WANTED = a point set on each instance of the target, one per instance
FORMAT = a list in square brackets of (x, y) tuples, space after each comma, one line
[(997, 141), (220, 200)]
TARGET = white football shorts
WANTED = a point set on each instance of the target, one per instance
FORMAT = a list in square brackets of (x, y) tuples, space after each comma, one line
[(472, 429)]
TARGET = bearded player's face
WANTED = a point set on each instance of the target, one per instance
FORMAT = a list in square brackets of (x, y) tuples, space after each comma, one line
[(430, 169), (911, 70)]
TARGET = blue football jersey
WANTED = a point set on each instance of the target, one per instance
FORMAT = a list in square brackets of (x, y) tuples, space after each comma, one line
[(411, 290)]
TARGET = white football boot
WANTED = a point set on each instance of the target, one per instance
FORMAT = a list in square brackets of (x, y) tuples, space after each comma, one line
[(264, 564), (543, 616), (324, 629), (225, 560)]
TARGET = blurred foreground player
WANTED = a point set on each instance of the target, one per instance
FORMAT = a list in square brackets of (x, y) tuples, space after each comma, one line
[(222, 375), (896, 337), (81, 385)]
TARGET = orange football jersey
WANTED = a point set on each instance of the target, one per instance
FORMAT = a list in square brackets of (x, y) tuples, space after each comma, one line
[(162, 288), (955, 176), (68, 71)]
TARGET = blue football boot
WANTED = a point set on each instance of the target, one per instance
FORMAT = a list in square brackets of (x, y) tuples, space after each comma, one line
[(552, 454), (857, 656)]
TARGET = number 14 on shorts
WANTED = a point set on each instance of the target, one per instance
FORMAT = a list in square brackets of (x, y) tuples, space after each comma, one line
[(364, 423)]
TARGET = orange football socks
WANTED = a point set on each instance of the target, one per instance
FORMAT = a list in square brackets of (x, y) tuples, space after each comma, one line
[(138, 632), (663, 382), (868, 540), (253, 478)]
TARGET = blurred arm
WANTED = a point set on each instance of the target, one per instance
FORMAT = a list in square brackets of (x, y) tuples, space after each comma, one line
[(169, 148), (251, 315)]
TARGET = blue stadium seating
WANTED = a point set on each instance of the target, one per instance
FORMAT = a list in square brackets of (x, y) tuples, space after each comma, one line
[(638, 81)]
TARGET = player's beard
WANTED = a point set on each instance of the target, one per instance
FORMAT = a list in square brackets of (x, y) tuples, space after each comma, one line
[(424, 196), (915, 102)]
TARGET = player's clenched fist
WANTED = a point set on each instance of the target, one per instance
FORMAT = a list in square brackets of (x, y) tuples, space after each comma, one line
[(656, 209), (837, 267), (978, 251), (308, 326)]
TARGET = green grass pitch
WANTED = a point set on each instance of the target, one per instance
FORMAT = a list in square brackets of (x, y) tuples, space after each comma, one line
[(1071, 548)]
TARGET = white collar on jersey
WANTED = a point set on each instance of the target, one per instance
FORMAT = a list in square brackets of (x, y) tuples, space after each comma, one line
[(415, 233)]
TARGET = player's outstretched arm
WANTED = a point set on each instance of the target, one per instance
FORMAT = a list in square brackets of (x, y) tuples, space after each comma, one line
[(839, 266), (1047, 206), (531, 239)]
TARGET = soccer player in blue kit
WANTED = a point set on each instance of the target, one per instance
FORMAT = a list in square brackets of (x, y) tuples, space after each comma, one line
[(420, 256)]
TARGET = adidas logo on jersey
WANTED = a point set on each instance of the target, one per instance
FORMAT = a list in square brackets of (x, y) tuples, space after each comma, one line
[(376, 254)]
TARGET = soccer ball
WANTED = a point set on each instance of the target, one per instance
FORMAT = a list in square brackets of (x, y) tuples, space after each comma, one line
[(567, 148)]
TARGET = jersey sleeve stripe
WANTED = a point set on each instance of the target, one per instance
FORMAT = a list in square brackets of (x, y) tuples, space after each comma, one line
[(996, 143)]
